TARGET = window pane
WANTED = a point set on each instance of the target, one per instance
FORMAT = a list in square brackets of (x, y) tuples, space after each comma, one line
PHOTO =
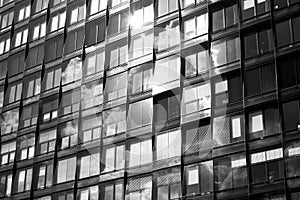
[(283, 33), (218, 20)]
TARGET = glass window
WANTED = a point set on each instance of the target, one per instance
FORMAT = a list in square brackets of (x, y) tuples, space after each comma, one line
[(56, 2), (23, 12), (166, 108), (258, 43), (6, 185), (4, 44), (168, 35), (113, 191), (228, 129), (196, 60), (291, 115), (52, 78), (6, 18), (74, 41), (35, 56), (260, 80), (114, 158), (94, 63), (29, 115), (9, 121), (95, 31), (292, 153), (251, 8), (168, 183), (267, 165), (54, 48), (141, 13), (47, 141), (230, 172), (16, 63), (89, 165), (14, 92), (140, 153), (50, 109), (195, 26), (141, 44), (114, 121), (57, 21), (166, 6), (283, 33), (197, 138), (66, 170), (141, 77), (20, 37), (91, 94), (91, 129), (225, 51), (68, 134), (72, 70), (139, 188), (38, 31), (90, 193), (289, 68), (116, 87), (32, 86), (197, 99), (96, 6), (8, 152), (117, 54), (225, 17), (140, 113), (117, 2), (70, 102), (168, 145), (45, 176), (4, 2), (118, 23), (170, 67), (199, 178), (40, 5), (264, 122), (76, 14), (24, 180)]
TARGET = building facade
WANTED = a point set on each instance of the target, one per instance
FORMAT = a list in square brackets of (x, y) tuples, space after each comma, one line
[(150, 99)]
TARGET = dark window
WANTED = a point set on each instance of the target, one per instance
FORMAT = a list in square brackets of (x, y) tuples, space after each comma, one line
[(35, 56), (263, 122), (70, 102), (29, 115), (6, 185), (74, 41), (291, 118), (118, 23), (16, 63), (292, 154), (230, 172), (54, 48), (95, 31), (283, 33), (225, 17), (49, 108), (258, 43), (267, 166), (166, 108), (228, 90), (228, 129), (260, 80), (3, 69), (289, 71), (199, 178), (251, 8), (278, 4)]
